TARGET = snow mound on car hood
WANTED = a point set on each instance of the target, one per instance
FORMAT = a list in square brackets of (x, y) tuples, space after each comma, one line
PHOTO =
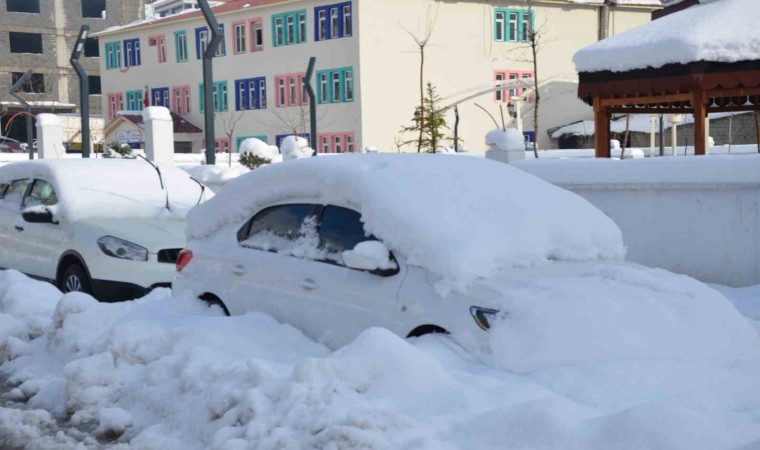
[(460, 218)]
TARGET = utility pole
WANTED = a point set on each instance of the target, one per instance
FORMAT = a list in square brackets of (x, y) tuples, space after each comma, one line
[(208, 80), (27, 107), (84, 89), (312, 104), (456, 129)]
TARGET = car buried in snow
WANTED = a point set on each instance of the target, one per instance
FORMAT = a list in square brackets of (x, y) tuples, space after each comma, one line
[(110, 228)]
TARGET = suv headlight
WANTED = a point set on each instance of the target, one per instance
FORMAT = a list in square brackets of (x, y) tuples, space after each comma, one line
[(483, 316), (119, 248)]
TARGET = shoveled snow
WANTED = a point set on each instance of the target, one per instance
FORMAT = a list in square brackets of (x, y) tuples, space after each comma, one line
[(171, 373), (460, 218), (718, 31)]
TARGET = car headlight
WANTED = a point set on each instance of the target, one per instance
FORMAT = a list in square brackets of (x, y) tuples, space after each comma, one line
[(119, 248), (483, 316)]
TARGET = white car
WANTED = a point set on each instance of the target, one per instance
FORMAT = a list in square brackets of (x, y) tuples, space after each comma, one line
[(111, 228), (424, 244)]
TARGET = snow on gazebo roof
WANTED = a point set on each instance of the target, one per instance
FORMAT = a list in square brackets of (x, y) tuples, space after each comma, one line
[(722, 31)]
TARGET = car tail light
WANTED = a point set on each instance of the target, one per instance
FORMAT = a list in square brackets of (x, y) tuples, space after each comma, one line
[(183, 259)]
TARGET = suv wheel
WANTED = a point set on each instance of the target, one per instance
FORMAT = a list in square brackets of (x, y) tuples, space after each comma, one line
[(75, 279)]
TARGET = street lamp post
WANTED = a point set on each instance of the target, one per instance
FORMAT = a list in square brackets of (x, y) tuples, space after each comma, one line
[(208, 80), (312, 104), (84, 89), (27, 107)]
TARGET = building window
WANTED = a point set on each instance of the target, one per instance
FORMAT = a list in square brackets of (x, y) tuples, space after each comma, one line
[(115, 104), (160, 97), (238, 30), (180, 46), (132, 53), (504, 95), (222, 145), (257, 35), (333, 21), (34, 85), (336, 142), (94, 84), (181, 99), (290, 90), (336, 85), (135, 100), (23, 6), (113, 55), (25, 42), (289, 28), (203, 38), (220, 96), (250, 93), (91, 48), (513, 25), (95, 9), (159, 41)]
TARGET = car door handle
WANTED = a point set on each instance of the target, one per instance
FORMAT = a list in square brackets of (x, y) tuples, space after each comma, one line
[(18, 228), (309, 284), (239, 270)]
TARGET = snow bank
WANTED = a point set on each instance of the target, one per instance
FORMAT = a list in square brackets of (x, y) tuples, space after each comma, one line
[(719, 31), (295, 147), (509, 140), (461, 218), (259, 148)]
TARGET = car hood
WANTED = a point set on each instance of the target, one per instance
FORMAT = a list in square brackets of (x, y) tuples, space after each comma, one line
[(152, 234)]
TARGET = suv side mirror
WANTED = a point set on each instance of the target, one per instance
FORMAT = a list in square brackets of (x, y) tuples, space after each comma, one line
[(38, 215), (371, 256)]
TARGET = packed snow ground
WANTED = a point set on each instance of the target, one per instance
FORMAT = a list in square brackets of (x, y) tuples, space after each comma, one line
[(163, 373)]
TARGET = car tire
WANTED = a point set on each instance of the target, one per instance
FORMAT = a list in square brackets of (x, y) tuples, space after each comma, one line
[(75, 279)]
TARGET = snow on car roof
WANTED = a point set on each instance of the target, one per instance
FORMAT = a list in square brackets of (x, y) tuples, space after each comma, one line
[(110, 188), (460, 218), (718, 31)]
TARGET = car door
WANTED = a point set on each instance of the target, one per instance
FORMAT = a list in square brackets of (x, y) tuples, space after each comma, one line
[(344, 302), (41, 242), (11, 243), (267, 269)]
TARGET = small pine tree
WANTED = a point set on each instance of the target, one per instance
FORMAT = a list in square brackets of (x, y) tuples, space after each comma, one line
[(433, 124), (252, 161)]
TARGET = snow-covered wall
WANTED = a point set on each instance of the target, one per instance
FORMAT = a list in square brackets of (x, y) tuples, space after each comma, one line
[(698, 216)]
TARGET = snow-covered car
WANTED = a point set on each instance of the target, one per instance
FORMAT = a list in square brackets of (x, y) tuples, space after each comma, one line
[(421, 244), (8, 145), (112, 228)]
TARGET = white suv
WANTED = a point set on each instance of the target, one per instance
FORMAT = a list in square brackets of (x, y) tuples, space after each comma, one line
[(111, 228)]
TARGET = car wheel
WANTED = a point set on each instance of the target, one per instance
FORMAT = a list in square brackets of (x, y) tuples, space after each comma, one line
[(75, 279)]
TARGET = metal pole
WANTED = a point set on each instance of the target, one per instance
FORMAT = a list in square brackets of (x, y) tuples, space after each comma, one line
[(456, 129), (208, 80), (27, 107), (84, 89), (312, 104), (662, 135)]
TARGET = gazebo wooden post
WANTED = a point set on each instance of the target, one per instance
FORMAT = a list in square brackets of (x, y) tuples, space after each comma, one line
[(601, 129), (700, 115)]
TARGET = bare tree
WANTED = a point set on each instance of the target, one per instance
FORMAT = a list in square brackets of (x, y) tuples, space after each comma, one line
[(296, 121), (421, 39), (230, 120)]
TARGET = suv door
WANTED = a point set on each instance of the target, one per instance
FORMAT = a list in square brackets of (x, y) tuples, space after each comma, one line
[(41, 241), (11, 256)]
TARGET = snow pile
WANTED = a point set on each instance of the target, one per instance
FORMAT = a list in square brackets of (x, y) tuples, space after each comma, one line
[(460, 218), (722, 31), (509, 140), (171, 373), (216, 175), (295, 147), (259, 148)]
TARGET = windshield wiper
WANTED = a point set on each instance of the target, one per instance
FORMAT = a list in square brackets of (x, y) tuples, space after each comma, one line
[(160, 179)]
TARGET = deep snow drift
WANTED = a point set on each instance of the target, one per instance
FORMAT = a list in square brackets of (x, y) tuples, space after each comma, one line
[(173, 374)]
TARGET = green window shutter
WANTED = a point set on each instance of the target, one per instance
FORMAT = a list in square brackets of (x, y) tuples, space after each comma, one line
[(533, 21), (520, 37)]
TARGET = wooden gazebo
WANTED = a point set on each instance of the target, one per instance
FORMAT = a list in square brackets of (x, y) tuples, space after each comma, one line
[(698, 87)]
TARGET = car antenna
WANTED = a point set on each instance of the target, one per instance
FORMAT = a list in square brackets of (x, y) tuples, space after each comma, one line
[(203, 189), (160, 179)]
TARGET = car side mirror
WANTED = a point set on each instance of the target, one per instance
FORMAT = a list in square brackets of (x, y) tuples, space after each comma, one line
[(372, 256), (38, 215)]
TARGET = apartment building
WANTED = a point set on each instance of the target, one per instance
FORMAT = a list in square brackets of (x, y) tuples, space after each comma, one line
[(368, 65)]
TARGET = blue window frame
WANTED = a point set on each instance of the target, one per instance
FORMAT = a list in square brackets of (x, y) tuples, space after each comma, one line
[(335, 85), (160, 97), (135, 100), (289, 28), (220, 96), (333, 21), (132, 53), (113, 55), (279, 138), (203, 37), (251, 93), (513, 25)]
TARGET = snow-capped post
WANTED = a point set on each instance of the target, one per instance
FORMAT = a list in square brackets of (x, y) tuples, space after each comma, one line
[(84, 89), (159, 134), (49, 137), (208, 80), (312, 103), (27, 108), (505, 145)]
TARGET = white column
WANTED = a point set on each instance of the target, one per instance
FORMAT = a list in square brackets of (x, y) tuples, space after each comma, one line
[(707, 135), (49, 137), (159, 135), (652, 136)]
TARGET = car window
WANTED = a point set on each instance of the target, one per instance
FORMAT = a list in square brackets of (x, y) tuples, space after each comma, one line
[(42, 193), (15, 192), (288, 229), (341, 229)]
